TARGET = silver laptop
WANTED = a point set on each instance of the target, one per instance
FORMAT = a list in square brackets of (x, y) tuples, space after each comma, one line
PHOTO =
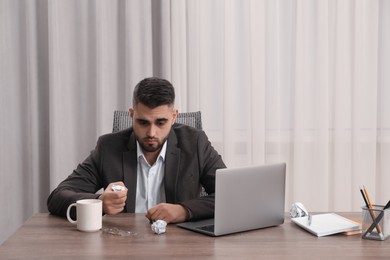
[(245, 199)]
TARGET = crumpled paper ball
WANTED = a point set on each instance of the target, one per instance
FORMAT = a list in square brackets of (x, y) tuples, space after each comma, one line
[(298, 210), (159, 227)]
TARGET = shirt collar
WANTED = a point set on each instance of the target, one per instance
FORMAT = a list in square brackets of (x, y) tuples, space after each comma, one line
[(163, 151)]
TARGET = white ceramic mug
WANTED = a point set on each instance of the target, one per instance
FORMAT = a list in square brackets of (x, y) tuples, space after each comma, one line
[(89, 214)]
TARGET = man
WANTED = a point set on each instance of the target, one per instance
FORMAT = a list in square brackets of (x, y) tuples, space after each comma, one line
[(162, 165)]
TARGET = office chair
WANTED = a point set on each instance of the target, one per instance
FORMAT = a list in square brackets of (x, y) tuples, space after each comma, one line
[(122, 120)]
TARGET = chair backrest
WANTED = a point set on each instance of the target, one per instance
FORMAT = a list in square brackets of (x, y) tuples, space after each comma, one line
[(122, 120)]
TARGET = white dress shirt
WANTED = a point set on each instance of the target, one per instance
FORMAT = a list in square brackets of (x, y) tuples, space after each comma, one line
[(150, 181)]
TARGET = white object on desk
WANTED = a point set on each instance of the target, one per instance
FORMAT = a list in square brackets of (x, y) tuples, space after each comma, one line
[(326, 224), (89, 214)]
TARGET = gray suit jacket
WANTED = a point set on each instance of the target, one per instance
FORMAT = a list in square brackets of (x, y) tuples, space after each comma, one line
[(190, 162)]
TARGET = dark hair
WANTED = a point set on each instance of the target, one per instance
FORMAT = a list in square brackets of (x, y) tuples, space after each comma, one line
[(154, 92)]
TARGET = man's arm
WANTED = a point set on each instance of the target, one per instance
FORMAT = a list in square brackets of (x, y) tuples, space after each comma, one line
[(209, 162), (170, 213), (83, 183)]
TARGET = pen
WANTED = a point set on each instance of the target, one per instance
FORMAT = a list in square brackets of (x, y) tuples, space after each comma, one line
[(370, 208), (364, 197)]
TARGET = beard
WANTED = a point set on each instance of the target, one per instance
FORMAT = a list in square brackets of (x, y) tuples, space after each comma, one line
[(155, 146)]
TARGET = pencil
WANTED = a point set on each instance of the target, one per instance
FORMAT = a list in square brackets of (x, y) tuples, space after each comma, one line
[(373, 215), (366, 202)]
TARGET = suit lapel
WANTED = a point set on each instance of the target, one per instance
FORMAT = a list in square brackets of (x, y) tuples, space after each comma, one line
[(172, 163), (130, 173)]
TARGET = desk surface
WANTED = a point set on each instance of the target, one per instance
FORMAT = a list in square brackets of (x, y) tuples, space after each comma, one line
[(45, 236)]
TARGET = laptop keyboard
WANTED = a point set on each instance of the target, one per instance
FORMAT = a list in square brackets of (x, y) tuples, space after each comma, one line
[(208, 228)]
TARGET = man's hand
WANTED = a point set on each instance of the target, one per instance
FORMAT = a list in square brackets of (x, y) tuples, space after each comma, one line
[(113, 201), (170, 213)]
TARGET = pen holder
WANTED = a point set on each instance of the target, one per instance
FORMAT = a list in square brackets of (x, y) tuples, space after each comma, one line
[(375, 223)]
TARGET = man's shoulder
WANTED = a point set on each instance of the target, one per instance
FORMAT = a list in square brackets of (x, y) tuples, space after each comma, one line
[(181, 129), (121, 136), (187, 135)]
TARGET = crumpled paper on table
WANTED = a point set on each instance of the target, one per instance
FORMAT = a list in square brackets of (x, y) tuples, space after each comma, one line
[(159, 227), (298, 210)]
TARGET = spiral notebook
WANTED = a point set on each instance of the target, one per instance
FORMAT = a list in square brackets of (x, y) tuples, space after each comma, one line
[(326, 224)]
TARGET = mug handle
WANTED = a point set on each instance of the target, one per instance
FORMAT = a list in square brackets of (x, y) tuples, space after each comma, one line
[(68, 214)]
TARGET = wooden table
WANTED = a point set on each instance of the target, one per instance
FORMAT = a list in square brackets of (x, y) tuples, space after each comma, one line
[(45, 236)]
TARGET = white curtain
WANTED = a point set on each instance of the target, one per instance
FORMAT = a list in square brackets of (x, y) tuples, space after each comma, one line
[(300, 81)]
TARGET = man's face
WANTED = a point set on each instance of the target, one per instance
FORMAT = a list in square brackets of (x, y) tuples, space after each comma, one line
[(152, 126)]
